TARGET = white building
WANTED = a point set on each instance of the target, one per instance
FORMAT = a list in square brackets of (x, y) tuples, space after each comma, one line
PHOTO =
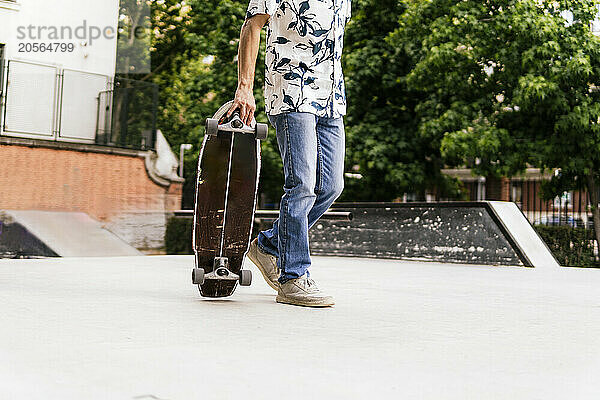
[(73, 137), (43, 18), (59, 57)]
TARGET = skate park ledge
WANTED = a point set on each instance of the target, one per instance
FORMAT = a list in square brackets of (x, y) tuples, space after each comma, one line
[(481, 233)]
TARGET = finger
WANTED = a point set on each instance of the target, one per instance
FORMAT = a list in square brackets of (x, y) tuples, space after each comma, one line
[(234, 106), (246, 113), (250, 116), (243, 112)]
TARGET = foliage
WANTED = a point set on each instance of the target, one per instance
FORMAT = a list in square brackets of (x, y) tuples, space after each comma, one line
[(194, 62), (167, 23), (381, 121), (572, 247), (492, 85), (178, 236), (506, 82)]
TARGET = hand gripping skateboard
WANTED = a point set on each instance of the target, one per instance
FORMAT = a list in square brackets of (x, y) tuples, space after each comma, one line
[(228, 170)]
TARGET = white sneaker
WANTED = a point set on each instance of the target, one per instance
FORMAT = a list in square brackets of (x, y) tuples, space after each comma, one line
[(303, 291), (266, 263)]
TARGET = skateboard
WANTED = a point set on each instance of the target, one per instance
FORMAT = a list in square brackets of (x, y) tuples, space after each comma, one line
[(228, 171)]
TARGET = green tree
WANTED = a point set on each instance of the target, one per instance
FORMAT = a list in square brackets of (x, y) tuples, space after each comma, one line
[(150, 43), (508, 84), (392, 156), (165, 25), (196, 68)]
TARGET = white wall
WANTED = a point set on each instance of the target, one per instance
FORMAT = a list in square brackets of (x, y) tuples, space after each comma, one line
[(32, 108), (9, 12), (99, 57)]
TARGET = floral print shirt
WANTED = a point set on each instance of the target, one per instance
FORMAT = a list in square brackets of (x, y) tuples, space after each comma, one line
[(303, 71)]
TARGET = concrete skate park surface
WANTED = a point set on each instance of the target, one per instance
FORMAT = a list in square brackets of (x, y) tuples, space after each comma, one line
[(136, 328)]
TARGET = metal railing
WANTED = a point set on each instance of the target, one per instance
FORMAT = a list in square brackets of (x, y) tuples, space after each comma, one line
[(571, 208), (48, 102), (126, 114)]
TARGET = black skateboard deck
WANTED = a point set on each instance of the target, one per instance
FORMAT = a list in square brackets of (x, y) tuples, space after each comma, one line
[(228, 171)]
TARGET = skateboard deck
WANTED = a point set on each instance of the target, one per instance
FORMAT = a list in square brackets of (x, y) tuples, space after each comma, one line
[(228, 171)]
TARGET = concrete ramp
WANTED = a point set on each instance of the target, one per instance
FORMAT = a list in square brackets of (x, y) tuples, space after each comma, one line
[(483, 233), (71, 234), (528, 242)]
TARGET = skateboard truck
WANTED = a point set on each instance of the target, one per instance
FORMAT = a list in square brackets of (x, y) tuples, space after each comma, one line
[(235, 124), (221, 272)]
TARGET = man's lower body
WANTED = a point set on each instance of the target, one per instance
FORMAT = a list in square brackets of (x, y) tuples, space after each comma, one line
[(312, 150)]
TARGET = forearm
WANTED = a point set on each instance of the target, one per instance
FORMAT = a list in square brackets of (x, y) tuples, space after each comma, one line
[(247, 53)]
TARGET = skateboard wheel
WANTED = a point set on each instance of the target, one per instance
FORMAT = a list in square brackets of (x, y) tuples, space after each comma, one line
[(197, 276), (262, 130), (212, 126), (245, 277)]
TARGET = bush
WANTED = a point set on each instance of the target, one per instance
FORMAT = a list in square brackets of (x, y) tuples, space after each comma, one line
[(572, 247), (178, 237)]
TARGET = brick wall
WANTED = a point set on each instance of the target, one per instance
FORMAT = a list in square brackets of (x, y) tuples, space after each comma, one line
[(497, 189), (108, 187)]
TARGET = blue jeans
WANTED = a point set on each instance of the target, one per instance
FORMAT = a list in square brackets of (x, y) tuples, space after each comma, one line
[(312, 149)]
